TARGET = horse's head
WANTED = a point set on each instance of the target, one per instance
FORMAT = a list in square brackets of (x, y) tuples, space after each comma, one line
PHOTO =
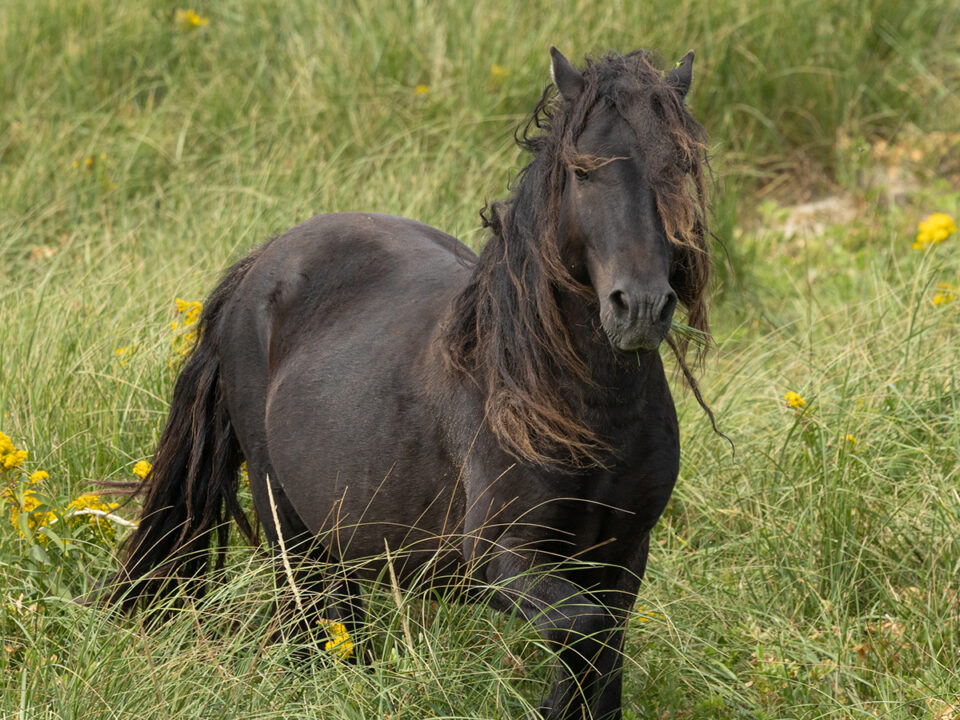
[(621, 157), (612, 205)]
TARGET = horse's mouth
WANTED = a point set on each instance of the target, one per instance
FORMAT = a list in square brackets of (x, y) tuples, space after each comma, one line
[(638, 340)]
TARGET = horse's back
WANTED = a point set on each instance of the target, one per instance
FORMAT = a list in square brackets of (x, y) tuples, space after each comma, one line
[(331, 339)]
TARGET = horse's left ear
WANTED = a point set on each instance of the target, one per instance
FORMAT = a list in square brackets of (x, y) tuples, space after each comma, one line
[(565, 76), (682, 75)]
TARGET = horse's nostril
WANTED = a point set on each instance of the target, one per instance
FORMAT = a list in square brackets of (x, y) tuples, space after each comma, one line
[(668, 303), (619, 301)]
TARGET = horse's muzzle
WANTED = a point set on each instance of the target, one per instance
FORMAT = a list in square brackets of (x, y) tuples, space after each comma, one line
[(638, 320)]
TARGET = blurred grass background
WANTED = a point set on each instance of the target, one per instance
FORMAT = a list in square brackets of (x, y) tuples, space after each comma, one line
[(806, 576)]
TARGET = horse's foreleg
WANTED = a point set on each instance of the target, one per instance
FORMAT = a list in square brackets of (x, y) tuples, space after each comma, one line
[(597, 684), (587, 636)]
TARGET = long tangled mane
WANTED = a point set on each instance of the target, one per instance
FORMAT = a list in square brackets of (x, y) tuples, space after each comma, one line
[(506, 330)]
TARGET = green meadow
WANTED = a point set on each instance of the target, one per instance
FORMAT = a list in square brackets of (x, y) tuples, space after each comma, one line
[(812, 570)]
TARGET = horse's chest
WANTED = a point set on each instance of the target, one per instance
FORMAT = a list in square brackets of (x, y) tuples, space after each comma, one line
[(617, 510)]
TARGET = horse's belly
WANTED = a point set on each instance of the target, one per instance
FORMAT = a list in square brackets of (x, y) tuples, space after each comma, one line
[(359, 456)]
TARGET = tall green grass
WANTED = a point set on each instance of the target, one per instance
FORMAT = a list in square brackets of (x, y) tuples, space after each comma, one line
[(804, 575)]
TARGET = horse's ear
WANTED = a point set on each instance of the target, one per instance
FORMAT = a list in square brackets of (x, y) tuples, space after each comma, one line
[(682, 75), (565, 76)]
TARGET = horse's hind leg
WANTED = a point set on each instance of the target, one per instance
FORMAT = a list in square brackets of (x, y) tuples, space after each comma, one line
[(325, 599), (315, 590)]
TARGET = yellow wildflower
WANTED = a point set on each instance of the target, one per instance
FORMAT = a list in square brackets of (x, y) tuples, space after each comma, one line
[(497, 75), (83, 502), (947, 294), (123, 353), (190, 310), (28, 504), (188, 20), (89, 501), (39, 476), (935, 229), (851, 440), (46, 520), (142, 469), (794, 400), (339, 643), (10, 457), (14, 459), (646, 614), (421, 90)]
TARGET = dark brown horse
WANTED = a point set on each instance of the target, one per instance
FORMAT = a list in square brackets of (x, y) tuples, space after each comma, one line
[(504, 417)]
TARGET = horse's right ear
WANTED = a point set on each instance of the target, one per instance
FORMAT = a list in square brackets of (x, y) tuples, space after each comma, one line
[(565, 76), (681, 75)]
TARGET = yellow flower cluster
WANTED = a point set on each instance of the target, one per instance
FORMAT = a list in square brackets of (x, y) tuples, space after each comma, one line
[(22, 498), (946, 294), (646, 614), (91, 509), (184, 340), (188, 20), (142, 469), (190, 309), (10, 456), (87, 509), (935, 229), (18, 498), (421, 90), (28, 504), (124, 354), (340, 643), (794, 400)]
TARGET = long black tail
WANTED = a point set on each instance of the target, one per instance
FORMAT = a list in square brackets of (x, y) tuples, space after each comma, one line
[(190, 495)]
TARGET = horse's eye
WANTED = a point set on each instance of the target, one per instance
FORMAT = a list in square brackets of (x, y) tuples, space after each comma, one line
[(580, 173)]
